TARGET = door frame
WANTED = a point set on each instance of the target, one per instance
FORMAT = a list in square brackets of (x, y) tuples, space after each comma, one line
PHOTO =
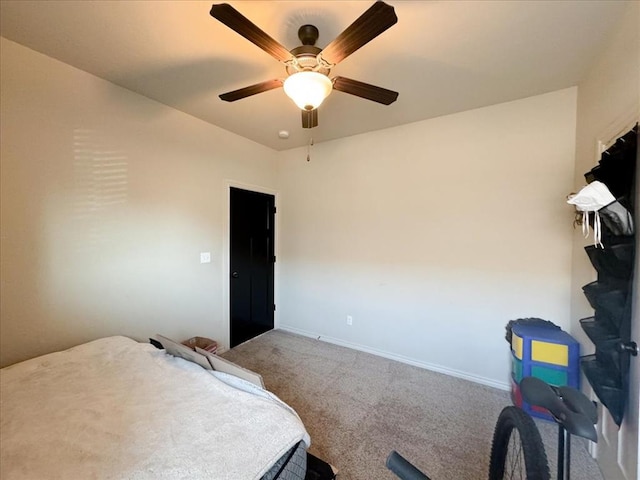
[(226, 257)]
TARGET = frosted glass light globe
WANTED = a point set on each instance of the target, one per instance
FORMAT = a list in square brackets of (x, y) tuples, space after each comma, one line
[(307, 89)]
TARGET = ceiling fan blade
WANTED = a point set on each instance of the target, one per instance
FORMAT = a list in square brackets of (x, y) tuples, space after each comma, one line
[(237, 22), (310, 118), (378, 18), (251, 90), (365, 90)]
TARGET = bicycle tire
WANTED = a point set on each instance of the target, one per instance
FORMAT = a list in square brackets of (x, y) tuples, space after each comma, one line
[(517, 452)]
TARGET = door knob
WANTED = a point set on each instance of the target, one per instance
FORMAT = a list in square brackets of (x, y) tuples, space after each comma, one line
[(235, 274), (629, 347)]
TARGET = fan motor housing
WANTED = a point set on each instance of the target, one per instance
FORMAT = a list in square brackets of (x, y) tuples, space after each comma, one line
[(307, 53), (306, 57)]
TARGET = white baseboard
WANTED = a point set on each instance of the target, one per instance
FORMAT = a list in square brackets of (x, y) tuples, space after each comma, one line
[(393, 356)]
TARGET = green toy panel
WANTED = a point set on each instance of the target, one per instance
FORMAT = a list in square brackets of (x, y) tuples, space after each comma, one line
[(550, 375)]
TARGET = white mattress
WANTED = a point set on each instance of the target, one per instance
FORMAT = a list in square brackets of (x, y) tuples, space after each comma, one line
[(116, 409)]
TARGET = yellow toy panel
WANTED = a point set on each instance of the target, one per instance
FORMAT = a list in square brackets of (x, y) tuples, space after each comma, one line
[(516, 345), (554, 353)]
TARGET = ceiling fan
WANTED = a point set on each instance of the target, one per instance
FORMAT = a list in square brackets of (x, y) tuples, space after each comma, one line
[(307, 66)]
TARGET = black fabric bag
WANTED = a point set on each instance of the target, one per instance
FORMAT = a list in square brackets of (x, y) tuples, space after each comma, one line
[(617, 219), (610, 262)]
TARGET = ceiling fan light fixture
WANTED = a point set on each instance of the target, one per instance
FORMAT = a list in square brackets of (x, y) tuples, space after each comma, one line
[(308, 89)]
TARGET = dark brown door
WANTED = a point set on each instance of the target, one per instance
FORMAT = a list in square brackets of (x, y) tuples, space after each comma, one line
[(251, 260)]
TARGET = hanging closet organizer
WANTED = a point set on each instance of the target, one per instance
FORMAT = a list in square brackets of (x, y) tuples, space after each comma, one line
[(611, 295)]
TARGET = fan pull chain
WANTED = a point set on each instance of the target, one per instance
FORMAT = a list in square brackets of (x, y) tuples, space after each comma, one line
[(310, 144)]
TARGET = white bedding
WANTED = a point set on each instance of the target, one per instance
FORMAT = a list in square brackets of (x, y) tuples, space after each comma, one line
[(118, 409)]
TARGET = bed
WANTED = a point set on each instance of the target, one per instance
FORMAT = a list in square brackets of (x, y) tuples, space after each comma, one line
[(118, 409)]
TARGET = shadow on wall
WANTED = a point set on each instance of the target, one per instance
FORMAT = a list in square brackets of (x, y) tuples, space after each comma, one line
[(84, 240), (100, 188)]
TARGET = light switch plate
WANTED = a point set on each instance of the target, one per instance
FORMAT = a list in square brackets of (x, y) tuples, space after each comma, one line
[(205, 257)]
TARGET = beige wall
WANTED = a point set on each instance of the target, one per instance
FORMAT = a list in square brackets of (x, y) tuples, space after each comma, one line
[(108, 198), (433, 235)]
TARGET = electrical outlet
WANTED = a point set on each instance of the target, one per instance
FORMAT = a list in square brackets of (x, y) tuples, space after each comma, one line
[(349, 320), (205, 257)]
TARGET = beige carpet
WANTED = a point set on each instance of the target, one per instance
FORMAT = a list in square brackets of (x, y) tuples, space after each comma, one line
[(357, 407)]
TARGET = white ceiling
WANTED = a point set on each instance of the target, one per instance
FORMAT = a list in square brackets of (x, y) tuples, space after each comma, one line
[(442, 56)]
